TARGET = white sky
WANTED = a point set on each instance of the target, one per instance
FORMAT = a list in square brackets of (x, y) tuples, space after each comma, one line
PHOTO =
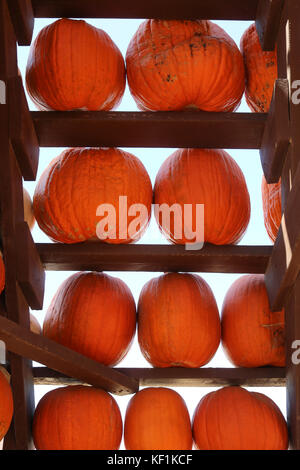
[(121, 32)]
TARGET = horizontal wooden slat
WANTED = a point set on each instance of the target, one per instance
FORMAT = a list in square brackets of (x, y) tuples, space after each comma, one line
[(268, 18), (149, 129), (276, 138), (160, 258), (168, 9), (23, 20), (181, 377), (36, 347)]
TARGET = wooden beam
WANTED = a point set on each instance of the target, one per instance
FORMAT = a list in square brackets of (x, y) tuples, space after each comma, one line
[(268, 17), (97, 256), (22, 131), (38, 348), (168, 9), (30, 272), (22, 18), (11, 201), (149, 129), (276, 138), (181, 377)]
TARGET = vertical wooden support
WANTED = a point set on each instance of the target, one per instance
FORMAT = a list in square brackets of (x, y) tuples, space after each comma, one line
[(289, 66), (11, 198)]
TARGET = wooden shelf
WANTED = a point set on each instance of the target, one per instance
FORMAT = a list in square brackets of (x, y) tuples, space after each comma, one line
[(97, 256), (181, 377), (149, 129), (167, 9)]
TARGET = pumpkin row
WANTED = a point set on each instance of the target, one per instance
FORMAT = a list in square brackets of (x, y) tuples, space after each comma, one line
[(81, 417), (105, 194), (170, 65), (86, 418), (177, 320)]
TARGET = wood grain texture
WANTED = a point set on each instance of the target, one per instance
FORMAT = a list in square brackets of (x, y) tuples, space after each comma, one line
[(97, 256), (182, 377), (38, 348), (149, 129), (268, 17), (168, 9), (276, 138)]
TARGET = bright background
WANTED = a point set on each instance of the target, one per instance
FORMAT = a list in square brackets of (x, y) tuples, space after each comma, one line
[(121, 32)]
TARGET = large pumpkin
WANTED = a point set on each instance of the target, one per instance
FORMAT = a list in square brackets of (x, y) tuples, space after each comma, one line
[(2, 273), (178, 321), (93, 314), (174, 65), (271, 200), (6, 405), (73, 65), (78, 182), (157, 419), (261, 71), (252, 335), (77, 417), (200, 176), (232, 418)]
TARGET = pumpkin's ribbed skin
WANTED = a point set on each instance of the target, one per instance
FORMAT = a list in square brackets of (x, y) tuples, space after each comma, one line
[(2, 273), (209, 177), (178, 321), (35, 326), (77, 418), (6, 405), (93, 314), (232, 418), (261, 71), (73, 65), (271, 200), (252, 335), (28, 209), (172, 65), (78, 181), (157, 419)]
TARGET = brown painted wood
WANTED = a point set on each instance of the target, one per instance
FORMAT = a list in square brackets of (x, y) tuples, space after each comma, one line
[(276, 138), (30, 272), (11, 200), (45, 351), (160, 258), (22, 131), (21, 13), (267, 22), (181, 377), (149, 129), (168, 9)]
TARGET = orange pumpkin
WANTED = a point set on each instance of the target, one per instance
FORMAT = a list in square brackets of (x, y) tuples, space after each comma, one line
[(2, 273), (174, 65), (77, 417), (6, 405), (76, 183), (232, 418), (157, 419), (261, 71), (178, 321), (271, 200), (199, 176), (252, 335), (93, 314), (73, 65), (35, 326)]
